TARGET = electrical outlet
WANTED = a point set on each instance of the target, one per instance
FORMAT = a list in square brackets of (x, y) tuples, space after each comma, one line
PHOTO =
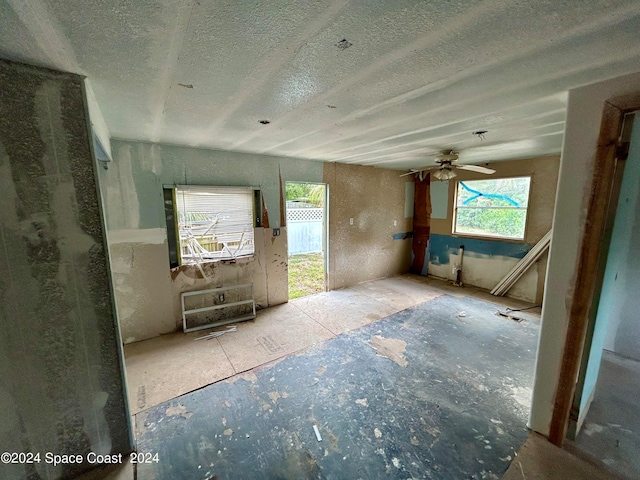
[(276, 232), (395, 223), (351, 221)]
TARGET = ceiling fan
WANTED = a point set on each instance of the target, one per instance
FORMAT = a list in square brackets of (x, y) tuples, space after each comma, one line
[(446, 164)]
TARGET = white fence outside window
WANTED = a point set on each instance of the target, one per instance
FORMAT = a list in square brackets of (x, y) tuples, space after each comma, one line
[(305, 230)]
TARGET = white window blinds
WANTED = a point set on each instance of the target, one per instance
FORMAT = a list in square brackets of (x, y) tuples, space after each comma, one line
[(214, 223)]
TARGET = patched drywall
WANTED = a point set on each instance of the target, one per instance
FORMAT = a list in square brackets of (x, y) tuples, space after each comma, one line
[(143, 305), (266, 270), (581, 139), (486, 261), (61, 380), (366, 249), (147, 290)]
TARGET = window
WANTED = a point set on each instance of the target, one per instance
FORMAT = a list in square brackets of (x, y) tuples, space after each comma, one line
[(214, 223), (492, 208)]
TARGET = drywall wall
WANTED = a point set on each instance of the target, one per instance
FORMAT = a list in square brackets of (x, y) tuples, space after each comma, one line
[(439, 199), (147, 291), (372, 247), (486, 261), (620, 302), (98, 125), (576, 169), (61, 383)]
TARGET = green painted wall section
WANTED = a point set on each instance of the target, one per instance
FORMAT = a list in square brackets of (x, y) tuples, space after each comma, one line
[(139, 171), (617, 328)]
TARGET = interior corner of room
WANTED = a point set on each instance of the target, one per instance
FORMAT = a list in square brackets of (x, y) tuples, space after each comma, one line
[(262, 245)]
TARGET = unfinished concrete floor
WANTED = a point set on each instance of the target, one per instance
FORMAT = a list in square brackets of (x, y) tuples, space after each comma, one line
[(165, 367), (611, 431), (337, 312), (538, 459), (440, 390)]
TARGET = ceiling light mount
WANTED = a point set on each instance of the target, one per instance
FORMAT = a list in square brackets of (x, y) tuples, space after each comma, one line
[(343, 44), (480, 133)]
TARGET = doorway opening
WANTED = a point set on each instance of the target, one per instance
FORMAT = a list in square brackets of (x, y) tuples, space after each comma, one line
[(604, 419), (306, 238)]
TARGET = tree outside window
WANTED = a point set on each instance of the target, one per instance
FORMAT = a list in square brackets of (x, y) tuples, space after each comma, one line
[(492, 207)]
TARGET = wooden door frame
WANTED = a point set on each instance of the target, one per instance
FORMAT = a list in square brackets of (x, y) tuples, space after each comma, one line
[(602, 184), (576, 416)]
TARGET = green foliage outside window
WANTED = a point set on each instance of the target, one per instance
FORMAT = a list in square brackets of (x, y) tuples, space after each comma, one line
[(312, 193), (495, 207)]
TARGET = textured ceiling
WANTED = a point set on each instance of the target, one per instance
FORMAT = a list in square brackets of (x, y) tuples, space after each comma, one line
[(418, 77)]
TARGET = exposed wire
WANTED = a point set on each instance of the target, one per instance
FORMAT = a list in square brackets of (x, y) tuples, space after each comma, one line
[(488, 195)]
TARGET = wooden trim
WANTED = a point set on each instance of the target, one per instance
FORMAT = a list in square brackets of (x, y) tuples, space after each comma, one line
[(283, 202), (587, 265), (627, 103)]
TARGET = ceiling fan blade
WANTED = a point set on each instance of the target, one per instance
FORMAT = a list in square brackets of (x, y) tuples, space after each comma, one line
[(418, 170), (476, 168)]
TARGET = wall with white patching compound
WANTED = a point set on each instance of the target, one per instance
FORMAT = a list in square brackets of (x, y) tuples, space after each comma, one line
[(61, 372), (486, 261), (581, 137), (147, 290)]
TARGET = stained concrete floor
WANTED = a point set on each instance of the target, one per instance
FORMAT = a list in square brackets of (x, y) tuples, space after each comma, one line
[(165, 367), (304, 325), (611, 431), (340, 312), (440, 390)]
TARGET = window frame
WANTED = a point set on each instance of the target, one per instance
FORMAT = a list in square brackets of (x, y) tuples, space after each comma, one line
[(484, 236), (171, 193)]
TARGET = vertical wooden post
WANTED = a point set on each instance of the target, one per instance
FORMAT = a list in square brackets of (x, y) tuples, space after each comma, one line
[(421, 222)]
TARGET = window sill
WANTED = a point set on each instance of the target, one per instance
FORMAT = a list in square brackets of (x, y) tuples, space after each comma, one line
[(495, 238)]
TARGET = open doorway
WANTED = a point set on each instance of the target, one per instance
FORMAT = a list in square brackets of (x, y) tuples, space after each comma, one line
[(306, 238), (605, 404)]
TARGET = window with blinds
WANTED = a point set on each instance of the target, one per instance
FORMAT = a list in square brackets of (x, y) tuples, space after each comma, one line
[(214, 223)]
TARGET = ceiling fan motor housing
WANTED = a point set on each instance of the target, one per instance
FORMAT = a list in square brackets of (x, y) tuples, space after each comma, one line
[(447, 157)]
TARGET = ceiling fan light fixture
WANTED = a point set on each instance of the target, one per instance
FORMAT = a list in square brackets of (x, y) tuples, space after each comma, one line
[(444, 174)]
